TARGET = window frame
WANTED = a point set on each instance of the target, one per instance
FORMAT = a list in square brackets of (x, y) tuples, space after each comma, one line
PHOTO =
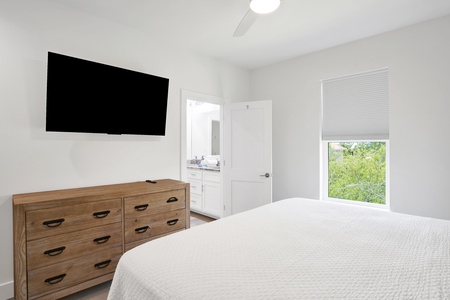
[(324, 176)]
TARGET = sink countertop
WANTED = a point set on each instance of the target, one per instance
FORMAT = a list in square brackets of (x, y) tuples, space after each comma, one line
[(206, 168)]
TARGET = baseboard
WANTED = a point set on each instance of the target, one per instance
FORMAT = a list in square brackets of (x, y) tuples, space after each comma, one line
[(7, 290)]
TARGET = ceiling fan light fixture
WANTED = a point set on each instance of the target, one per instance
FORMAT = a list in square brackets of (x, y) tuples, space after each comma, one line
[(264, 6)]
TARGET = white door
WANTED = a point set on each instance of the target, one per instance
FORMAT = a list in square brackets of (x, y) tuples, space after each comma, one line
[(247, 155)]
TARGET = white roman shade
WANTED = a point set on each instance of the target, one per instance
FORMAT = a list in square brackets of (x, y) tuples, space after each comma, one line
[(356, 107)]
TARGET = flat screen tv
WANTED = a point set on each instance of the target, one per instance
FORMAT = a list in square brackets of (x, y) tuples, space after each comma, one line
[(90, 97)]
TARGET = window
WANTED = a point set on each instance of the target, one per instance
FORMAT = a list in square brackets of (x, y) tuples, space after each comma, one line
[(355, 138), (357, 171)]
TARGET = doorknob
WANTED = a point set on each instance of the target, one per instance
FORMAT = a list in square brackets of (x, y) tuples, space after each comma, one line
[(267, 175)]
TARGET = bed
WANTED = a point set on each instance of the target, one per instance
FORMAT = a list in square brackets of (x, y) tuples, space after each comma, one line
[(294, 249)]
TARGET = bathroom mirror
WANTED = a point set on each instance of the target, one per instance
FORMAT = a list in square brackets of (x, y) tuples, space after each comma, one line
[(215, 137), (203, 129)]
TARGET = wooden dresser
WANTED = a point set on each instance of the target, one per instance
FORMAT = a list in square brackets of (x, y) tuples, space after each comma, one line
[(68, 240)]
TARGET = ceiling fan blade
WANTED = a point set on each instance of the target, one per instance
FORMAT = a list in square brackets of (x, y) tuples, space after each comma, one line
[(245, 23)]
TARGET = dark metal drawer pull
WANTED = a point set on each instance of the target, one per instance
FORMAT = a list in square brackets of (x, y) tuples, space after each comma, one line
[(102, 264), (141, 207), (53, 223), (172, 199), (172, 222), (55, 252), (102, 240), (55, 280), (142, 229), (101, 214)]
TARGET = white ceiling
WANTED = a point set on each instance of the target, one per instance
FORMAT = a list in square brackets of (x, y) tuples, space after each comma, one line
[(298, 27)]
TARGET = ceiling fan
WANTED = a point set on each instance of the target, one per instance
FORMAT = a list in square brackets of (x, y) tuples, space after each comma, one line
[(257, 7)]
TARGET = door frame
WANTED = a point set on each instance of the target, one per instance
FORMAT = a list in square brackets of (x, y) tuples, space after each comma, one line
[(190, 95)]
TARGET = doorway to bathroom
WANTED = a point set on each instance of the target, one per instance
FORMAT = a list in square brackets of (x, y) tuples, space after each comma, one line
[(202, 150), (232, 171)]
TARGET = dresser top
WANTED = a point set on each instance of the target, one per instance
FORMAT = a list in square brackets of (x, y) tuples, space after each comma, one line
[(112, 190)]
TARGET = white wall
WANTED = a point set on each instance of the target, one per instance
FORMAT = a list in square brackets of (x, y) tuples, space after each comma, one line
[(33, 160), (418, 58)]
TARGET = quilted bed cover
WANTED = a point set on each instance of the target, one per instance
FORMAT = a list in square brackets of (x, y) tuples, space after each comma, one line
[(294, 249)]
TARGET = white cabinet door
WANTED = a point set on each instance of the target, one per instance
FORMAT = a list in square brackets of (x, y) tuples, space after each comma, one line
[(211, 198), (212, 194)]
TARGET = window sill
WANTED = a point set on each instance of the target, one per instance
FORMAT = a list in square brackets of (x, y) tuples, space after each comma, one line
[(359, 203)]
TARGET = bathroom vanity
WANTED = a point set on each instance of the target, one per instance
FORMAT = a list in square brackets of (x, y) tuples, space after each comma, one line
[(206, 190)]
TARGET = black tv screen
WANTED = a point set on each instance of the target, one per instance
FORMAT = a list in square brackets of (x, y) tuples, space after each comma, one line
[(90, 97)]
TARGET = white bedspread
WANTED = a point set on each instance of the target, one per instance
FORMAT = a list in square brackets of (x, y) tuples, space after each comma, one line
[(294, 249)]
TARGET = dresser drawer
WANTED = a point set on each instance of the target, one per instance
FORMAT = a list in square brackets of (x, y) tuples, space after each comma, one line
[(149, 204), (153, 225), (55, 249), (55, 277), (132, 245), (65, 219)]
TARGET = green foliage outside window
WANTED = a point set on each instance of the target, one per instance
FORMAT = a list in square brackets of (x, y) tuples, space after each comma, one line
[(357, 171)]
